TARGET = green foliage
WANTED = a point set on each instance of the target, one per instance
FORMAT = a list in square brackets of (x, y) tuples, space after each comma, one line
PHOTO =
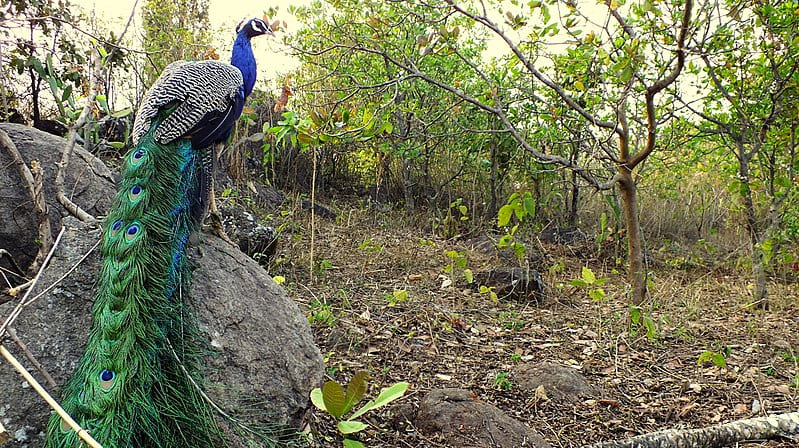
[(641, 319), (457, 266), (502, 381), (396, 297), (719, 359), (591, 283), (510, 321), (174, 31), (321, 313), (490, 292), (336, 401)]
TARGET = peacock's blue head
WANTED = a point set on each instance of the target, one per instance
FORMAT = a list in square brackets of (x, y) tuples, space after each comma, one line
[(254, 27)]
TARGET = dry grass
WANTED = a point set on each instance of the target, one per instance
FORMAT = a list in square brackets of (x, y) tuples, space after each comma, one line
[(456, 337)]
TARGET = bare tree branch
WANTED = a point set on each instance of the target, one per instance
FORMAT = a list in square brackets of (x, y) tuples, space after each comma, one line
[(32, 179)]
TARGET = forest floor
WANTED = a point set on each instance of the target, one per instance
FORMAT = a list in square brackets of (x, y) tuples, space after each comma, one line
[(453, 336)]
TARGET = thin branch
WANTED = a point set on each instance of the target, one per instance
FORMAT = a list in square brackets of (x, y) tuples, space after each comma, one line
[(33, 184), (73, 208), (82, 433), (659, 85), (65, 275), (485, 21), (15, 312), (32, 359)]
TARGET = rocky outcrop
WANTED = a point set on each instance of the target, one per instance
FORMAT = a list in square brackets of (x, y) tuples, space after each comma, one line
[(262, 361)]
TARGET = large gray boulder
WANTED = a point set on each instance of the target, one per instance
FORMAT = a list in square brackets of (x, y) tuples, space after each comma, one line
[(262, 362), (89, 183)]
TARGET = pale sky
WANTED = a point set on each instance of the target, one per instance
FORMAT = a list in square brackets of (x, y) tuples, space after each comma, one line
[(271, 55)]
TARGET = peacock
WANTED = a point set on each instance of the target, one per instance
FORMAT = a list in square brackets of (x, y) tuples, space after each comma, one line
[(138, 382)]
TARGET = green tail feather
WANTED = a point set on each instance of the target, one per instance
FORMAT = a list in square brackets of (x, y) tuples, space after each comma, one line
[(131, 387)]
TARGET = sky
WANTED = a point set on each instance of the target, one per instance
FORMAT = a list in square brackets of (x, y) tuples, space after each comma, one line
[(271, 55)]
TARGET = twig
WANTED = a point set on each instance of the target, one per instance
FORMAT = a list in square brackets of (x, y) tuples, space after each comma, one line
[(73, 208), (32, 179), (6, 253), (15, 312), (4, 437), (32, 359), (13, 292), (66, 274), (82, 433)]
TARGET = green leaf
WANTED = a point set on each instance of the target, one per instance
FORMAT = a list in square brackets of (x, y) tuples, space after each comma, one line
[(348, 443), (467, 274), (578, 283), (386, 396), (351, 426), (356, 388), (719, 360), (334, 398), (626, 74), (120, 113), (597, 294), (116, 145), (279, 279), (317, 400), (588, 275), (529, 205), (504, 214)]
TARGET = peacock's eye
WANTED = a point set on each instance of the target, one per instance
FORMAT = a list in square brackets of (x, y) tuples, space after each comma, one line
[(117, 225), (107, 375), (134, 193), (133, 230), (138, 154)]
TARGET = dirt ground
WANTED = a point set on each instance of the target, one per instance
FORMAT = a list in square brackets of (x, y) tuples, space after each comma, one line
[(453, 336)]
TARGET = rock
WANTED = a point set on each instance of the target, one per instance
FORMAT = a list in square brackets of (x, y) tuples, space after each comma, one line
[(512, 282), (253, 238), (560, 383), (463, 421), (263, 363), (89, 183)]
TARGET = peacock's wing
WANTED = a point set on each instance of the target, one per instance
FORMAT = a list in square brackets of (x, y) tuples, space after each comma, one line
[(208, 94)]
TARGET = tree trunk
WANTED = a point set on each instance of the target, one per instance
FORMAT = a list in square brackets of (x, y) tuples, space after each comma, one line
[(752, 227), (493, 207), (637, 273), (574, 200)]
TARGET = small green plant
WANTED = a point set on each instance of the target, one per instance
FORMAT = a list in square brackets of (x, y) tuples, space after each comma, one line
[(590, 282), (369, 246), (516, 357), (336, 401), (502, 382), (521, 205), (457, 265), (457, 213), (719, 359), (790, 357), (322, 313), (639, 318), (396, 297), (510, 320), (489, 291)]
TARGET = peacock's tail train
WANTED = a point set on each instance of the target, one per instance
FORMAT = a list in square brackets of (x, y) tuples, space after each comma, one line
[(134, 385)]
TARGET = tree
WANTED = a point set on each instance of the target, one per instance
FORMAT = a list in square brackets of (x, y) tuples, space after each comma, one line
[(47, 53), (751, 68), (174, 31), (610, 82)]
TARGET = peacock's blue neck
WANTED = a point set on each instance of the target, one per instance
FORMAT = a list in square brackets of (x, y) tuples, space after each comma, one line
[(244, 60)]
